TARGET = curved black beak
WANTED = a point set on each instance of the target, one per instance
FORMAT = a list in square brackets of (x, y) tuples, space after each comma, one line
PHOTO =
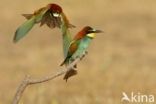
[(96, 31)]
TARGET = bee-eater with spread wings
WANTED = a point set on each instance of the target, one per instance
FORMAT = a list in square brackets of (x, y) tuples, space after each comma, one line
[(78, 47), (53, 16)]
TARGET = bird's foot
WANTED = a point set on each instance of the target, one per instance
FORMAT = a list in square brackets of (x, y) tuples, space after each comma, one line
[(86, 52), (83, 55)]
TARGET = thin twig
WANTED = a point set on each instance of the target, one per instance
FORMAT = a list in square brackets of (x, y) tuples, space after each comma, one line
[(29, 81)]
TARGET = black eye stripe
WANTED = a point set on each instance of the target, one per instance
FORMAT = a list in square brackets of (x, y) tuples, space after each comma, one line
[(90, 31)]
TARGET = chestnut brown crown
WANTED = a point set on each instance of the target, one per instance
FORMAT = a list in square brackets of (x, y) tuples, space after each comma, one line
[(55, 8), (86, 30)]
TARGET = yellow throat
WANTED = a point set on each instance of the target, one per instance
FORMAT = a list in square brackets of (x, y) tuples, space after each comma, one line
[(91, 35)]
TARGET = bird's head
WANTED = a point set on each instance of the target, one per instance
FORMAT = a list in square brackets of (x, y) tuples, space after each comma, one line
[(55, 9), (87, 31)]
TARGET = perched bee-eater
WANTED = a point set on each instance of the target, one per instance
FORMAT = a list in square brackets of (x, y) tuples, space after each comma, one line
[(78, 47), (52, 15)]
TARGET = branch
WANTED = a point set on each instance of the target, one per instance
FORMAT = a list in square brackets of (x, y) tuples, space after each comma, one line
[(29, 81)]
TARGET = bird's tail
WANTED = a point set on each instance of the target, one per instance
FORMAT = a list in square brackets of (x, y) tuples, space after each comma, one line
[(70, 73)]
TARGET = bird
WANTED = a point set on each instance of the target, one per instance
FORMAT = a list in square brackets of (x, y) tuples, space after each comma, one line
[(78, 47), (52, 15)]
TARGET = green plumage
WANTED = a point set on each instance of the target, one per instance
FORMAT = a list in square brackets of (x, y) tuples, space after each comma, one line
[(66, 36), (24, 29), (82, 46), (27, 26)]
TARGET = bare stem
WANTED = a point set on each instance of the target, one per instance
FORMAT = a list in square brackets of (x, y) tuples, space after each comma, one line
[(29, 81)]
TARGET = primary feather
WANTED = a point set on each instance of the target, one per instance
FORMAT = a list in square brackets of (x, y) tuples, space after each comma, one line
[(24, 29)]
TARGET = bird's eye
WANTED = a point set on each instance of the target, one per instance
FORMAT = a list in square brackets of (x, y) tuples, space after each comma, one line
[(56, 14)]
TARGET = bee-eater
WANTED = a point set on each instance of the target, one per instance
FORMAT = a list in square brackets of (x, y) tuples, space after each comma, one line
[(52, 15), (78, 47)]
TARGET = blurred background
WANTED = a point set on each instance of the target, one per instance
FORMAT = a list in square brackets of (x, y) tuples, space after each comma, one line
[(123, 59)]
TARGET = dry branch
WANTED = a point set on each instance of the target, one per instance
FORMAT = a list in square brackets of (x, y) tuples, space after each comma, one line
[(29, 81)]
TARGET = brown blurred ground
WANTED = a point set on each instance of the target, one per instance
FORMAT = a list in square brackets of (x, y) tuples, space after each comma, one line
[(121, 59)]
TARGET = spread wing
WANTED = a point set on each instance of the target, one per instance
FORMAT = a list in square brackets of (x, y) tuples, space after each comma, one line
[(28, 25), (24, 29)]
